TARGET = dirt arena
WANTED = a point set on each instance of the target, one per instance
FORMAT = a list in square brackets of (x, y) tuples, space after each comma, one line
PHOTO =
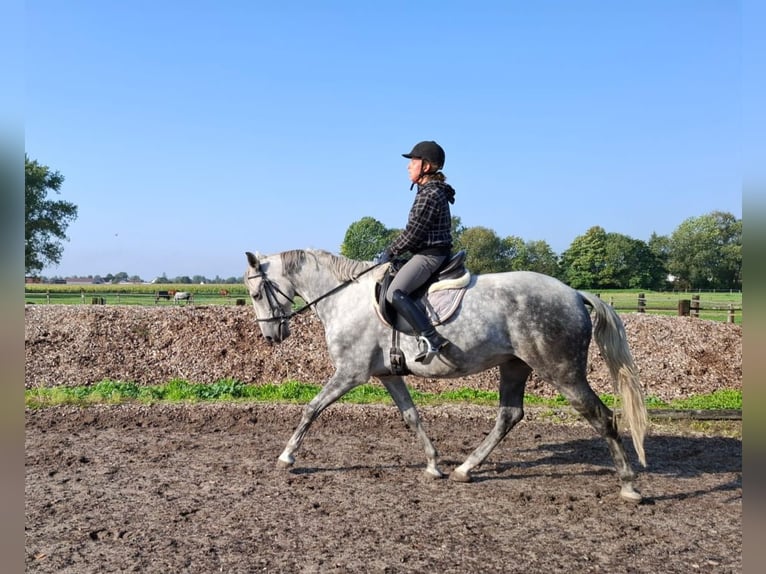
[(195, 488)]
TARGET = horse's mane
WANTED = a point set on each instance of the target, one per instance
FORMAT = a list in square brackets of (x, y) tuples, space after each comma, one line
[(343, 268)]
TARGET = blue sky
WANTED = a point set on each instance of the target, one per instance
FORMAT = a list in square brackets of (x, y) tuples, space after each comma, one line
[(191, 132)]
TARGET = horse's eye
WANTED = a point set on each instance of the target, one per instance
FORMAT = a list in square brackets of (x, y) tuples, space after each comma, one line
[(256, 296)]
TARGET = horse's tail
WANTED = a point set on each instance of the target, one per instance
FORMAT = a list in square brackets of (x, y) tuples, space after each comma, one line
[(609, 333)]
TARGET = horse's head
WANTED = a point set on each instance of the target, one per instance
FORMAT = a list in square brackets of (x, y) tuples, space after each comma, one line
[(271, 294)]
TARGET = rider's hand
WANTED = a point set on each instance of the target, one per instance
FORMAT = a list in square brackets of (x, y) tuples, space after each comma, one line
[(382, 257)]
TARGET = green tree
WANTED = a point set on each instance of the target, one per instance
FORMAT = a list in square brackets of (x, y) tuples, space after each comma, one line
[(706, 252), (514, 254), (366, 238), (46, 220), (659, 245), (485, 250), (457, 229), (631, 264), (541, 258), (601, 260), (584, 262)]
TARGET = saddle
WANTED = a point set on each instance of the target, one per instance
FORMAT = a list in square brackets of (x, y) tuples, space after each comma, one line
[(440, 296)]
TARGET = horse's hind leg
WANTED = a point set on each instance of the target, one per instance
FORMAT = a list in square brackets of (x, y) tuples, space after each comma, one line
[(513, 380), (398, 391), (589, 405), (336, 387)]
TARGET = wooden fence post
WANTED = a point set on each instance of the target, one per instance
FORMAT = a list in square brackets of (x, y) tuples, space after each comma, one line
[(683, 307), (730, 318), (695, 306), (641, 303)]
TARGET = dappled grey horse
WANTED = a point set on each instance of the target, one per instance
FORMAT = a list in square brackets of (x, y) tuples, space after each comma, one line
[(518, 321)]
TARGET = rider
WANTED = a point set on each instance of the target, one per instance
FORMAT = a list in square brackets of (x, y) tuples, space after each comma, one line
[(428, 236)]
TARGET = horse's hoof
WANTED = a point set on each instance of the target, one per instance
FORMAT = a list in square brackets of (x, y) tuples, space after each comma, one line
[(285, 461), (434, 473), (457, 476), (627, 492)]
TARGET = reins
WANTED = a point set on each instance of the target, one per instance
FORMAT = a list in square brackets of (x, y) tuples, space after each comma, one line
[(271, 287)]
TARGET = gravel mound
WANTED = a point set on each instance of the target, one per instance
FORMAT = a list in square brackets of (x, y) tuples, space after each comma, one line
[(70, 345)]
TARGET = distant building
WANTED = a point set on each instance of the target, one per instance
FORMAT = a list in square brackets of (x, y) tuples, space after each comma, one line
[(83, 280)]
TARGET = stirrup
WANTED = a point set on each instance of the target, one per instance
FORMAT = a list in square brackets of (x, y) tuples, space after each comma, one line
[(427, 351)]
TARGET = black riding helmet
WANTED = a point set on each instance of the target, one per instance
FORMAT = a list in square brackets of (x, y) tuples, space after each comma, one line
[(429, 151)]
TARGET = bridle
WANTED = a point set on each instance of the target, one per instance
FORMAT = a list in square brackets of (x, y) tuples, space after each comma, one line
[(271, 290)]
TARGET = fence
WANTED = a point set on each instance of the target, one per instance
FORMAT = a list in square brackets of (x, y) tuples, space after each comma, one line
[(697, 306), (693, 307), (159, 298)]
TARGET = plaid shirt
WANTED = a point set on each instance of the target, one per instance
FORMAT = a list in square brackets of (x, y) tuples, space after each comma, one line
[(429, 223)]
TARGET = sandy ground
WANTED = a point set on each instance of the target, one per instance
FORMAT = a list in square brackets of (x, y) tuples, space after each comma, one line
[(195, 488)]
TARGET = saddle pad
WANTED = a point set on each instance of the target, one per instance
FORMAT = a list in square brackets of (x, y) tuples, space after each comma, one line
[(454, 283), (441, 301)]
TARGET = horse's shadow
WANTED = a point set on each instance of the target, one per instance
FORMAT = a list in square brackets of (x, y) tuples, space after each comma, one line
[(309, 470), (669, 456), (678, 456)]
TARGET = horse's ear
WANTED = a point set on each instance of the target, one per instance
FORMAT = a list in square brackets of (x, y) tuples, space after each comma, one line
[(252, 260)]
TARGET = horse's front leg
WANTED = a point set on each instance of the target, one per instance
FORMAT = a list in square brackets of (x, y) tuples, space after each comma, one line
[(398, 391), (336, 387)]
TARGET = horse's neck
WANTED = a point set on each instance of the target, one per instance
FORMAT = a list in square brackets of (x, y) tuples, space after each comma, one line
[(322, 278), (310, 284)]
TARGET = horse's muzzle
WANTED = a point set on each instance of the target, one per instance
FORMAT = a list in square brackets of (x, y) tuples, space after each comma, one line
[(281, 333)]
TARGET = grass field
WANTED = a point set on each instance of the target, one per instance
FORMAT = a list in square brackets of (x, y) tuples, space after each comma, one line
[(133, 294), (713, 305), (114, 392)]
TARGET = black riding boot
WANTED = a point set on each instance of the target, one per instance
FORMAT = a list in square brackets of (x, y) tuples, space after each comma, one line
[(430, 342)]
